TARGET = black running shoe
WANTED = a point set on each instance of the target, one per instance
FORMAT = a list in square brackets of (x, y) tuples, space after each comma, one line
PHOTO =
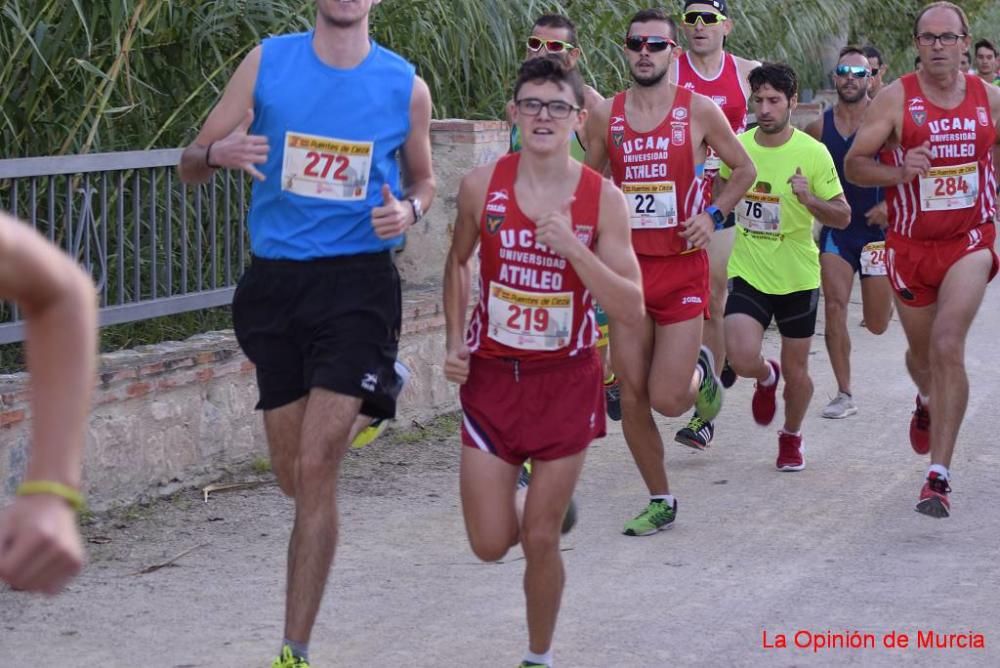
[(728, 376), (697, 434)]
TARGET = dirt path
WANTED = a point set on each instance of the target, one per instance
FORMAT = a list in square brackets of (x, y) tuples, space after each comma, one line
[(836, 548)]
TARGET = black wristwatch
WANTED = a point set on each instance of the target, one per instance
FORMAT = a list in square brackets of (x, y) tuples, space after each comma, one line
[(717, 215)]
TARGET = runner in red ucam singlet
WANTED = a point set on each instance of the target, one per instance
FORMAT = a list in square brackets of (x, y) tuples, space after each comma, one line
[(553, 237), (654, 134), (708, 69), (941, 195)]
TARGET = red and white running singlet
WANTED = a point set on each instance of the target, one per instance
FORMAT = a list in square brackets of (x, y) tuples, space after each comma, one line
[(532, 305), (724, 89), (959, 193), (656, 171)]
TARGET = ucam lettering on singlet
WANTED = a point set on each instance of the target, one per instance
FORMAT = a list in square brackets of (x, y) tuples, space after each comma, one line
[(957, 193), (531, 253), (646, 144)]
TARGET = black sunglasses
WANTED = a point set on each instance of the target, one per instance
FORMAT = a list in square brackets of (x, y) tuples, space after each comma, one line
[(653, 43)]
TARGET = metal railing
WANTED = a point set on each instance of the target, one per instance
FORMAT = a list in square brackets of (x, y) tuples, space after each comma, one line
[(154, 246)]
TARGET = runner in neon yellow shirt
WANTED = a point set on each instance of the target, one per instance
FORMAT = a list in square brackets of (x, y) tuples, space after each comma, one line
[(774, 268)]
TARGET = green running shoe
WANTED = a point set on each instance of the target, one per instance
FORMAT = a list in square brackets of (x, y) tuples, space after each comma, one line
[(289, 660), (529, 664), (656, 517), (709, 401)]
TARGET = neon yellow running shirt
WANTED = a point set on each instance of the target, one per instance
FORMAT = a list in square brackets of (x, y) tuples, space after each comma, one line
[(774, 249)]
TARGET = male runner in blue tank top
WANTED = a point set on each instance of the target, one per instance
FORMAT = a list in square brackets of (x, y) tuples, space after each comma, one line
[(319, 118), (860, 247)]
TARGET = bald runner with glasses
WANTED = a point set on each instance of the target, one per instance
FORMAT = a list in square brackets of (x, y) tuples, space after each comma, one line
[(942, 127)]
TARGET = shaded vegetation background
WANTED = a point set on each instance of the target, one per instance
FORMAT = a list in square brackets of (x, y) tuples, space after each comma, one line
[(79, 77)]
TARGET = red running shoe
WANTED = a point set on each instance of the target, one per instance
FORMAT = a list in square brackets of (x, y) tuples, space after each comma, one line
[(764, 398), (934, 496), (791, 454), (920, 429)]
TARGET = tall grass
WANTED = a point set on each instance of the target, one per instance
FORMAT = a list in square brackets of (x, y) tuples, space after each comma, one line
[(82, 76)]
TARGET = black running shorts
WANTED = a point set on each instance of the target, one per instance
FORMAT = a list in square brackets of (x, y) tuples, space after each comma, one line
[(795, 312), (331, 323)]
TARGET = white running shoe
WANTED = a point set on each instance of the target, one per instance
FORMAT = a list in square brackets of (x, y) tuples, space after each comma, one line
[(842, 406)]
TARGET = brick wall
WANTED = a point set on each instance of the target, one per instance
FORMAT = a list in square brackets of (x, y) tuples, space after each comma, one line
[(180, 413)]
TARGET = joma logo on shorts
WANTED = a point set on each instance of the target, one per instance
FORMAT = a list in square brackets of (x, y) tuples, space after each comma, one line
[(369, 382), (690, 300)]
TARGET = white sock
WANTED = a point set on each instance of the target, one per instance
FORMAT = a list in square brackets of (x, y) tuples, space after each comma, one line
[(940, 470), (544, 659), (666, 498), (772, 377), (791, 433)]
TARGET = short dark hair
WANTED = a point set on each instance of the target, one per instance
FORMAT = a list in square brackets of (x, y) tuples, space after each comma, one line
[(850, 48), (871, 52), (779, 75), (942, 5), (985, 44), (648, 15), (916, 61), (549, 69), (557, 21)]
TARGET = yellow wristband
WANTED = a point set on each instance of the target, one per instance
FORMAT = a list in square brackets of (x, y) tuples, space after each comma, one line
[(64, 492)]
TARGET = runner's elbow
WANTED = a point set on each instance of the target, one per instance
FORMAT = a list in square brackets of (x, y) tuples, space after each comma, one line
[(632, 310)]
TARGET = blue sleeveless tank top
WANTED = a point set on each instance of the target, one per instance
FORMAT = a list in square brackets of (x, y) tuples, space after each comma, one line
[(334, 139), (860, 199)]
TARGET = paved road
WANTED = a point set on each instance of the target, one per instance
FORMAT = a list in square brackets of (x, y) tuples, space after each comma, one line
[(836, 548)]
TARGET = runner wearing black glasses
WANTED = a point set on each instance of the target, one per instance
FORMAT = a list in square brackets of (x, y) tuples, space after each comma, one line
[(706, 68), (941, 193), (554, 36), (654, 135), (860, 247), (552, 236)]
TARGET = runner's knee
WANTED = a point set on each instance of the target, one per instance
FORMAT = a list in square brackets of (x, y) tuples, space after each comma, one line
[(490, 546), (877, 325), (671, 402), (540, 538), (947, 349)]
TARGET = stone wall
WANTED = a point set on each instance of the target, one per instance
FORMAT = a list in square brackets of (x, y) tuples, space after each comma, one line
[(180, 413)]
